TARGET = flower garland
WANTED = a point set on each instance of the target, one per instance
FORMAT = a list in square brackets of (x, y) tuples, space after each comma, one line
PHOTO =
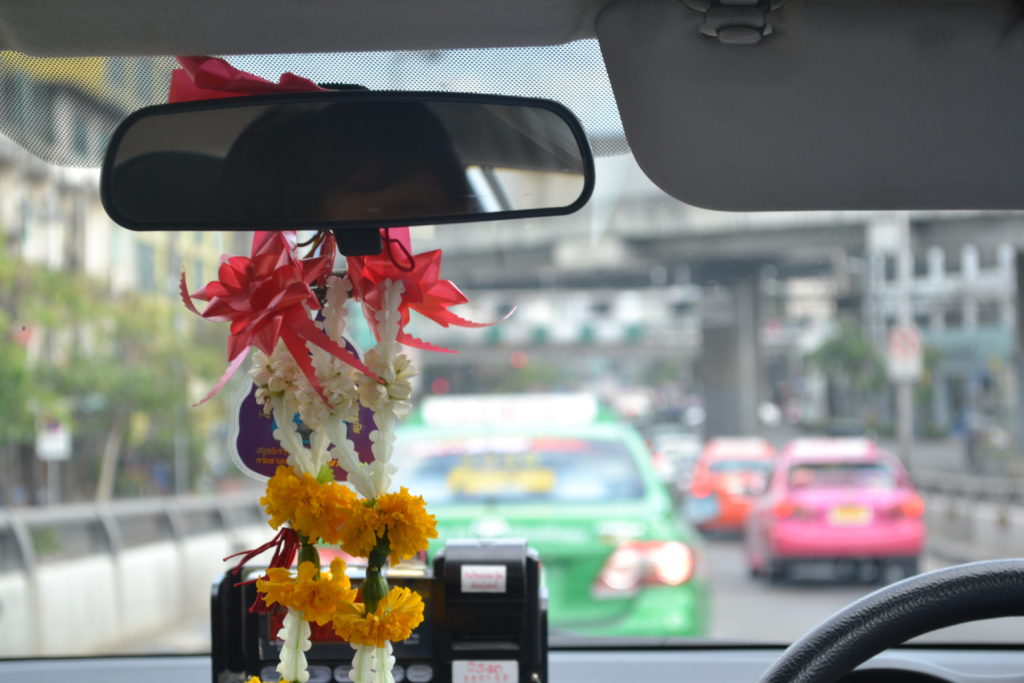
[(325, 385)]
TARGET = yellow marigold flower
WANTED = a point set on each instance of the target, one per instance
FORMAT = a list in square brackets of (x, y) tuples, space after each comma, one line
[(313, 509), (359, 534), (409, 525), (402, 515), (317, 597), (396, 616)]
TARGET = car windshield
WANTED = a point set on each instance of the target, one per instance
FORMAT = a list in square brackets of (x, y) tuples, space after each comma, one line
[(681, 323), (549, 469), (740, 466)]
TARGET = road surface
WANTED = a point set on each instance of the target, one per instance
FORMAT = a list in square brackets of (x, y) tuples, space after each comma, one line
[(753, 609)]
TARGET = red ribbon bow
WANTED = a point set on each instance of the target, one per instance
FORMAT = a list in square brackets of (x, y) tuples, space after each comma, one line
[(267, 297), (209, 78), (424, 291)]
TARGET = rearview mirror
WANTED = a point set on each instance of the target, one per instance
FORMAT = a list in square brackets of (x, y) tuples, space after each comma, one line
[(352, 159)]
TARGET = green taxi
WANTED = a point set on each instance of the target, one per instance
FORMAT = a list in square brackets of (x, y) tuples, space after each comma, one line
[(578, 484)]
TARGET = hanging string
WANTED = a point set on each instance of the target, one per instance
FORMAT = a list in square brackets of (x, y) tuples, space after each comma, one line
[(322, 242), (409, 258), (314, 242), (286, 547)]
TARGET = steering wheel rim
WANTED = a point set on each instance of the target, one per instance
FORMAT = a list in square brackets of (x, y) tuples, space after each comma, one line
[(898, 612)]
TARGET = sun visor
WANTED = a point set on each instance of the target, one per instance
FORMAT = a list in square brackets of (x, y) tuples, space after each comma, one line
[(842, 105)]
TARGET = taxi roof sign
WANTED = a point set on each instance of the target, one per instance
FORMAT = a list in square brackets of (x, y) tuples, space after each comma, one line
[(731, 447), (824, 449), (510, 409)]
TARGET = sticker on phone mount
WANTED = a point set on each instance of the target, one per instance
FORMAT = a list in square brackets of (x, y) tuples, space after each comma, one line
[(485, 671), (258, 454), (483, 578)]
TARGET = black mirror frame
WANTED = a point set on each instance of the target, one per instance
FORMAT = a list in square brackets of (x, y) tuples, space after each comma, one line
[(558, 109)]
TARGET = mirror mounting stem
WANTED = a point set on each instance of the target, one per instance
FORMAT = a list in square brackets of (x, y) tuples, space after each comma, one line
[(358, 242)]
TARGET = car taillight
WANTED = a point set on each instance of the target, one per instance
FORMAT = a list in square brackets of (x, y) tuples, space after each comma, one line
[(660, 462), (787, 509), (912, 506), (644, 563), (783, 509), (701, 486)]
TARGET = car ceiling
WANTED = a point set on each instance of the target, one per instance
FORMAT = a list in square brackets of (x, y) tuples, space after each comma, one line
[(176, 27), (847, 104)]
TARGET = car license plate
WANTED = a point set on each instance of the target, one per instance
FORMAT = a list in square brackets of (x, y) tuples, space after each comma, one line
[(850, 515)]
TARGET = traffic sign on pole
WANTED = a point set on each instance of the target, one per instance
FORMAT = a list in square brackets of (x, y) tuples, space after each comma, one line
[(905, 354)]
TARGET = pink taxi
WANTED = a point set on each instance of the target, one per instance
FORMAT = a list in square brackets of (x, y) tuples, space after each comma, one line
[(844, 502)]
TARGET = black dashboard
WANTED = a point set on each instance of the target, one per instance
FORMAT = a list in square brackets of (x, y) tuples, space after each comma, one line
[(719, 663)]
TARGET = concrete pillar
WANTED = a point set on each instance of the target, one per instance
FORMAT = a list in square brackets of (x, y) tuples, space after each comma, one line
[(940, 402), (731, 365), (1018, 279)]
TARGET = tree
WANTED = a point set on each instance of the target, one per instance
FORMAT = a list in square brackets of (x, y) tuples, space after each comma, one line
[(853, 367), (121, 369)]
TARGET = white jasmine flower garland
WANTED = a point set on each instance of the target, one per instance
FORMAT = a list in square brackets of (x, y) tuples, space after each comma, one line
[(388, 397), (283, 391), (295, 632)]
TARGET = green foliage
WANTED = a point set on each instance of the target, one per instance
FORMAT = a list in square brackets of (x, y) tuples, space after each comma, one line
[(45, 541), (854, 368), (102, 362), (534, 376), (662, 372), (23, 396), (850, 354), (18, 383)]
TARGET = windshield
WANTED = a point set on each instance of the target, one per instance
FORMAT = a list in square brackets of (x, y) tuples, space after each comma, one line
[(842, 475), (683, 324), (740, 466)]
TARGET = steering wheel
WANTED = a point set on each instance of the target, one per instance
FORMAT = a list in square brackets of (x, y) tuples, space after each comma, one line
[(896, 613)]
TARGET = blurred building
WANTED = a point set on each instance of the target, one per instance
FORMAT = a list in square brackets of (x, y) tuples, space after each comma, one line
[(963, 298), (637, 275), (51, 216), (50, 213)]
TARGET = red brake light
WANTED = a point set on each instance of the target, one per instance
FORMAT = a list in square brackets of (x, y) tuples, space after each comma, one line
[(670, 563), (701, 486), (783, 509), (622, 572), (644, 563), (660, 461), (912, 506)]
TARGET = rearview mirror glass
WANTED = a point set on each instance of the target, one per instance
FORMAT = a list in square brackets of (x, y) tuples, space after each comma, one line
[(344, 160)]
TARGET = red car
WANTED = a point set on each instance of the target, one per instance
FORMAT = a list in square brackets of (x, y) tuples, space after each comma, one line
[(842, 502), (727, 476)]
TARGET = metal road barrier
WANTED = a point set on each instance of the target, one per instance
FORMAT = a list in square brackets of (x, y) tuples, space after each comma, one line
[(973, 517), (153, 559), (982, 487)]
